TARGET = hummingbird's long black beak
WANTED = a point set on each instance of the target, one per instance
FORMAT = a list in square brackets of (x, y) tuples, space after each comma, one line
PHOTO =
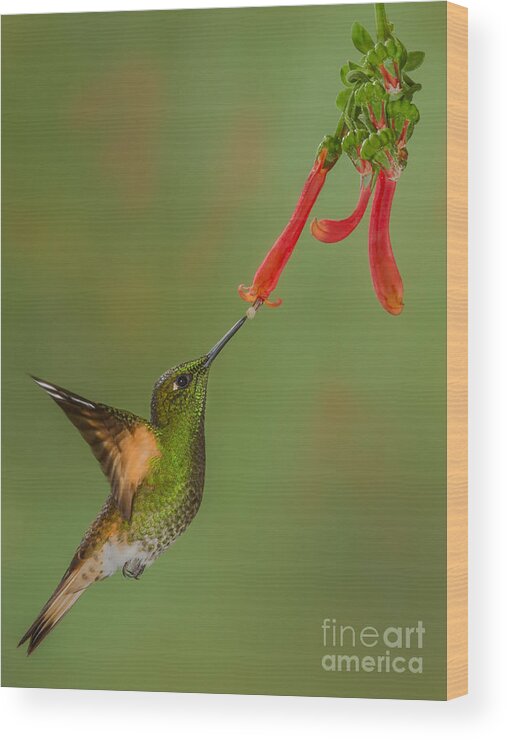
[(214, 351)]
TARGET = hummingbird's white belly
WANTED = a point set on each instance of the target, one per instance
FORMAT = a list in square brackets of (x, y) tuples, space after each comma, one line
[(116, 555)]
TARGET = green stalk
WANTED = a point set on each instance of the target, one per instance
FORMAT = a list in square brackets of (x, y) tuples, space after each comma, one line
[(340, 129), (381, 22)]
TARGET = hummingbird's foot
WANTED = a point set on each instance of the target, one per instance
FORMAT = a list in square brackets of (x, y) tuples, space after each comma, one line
[(133, 569)]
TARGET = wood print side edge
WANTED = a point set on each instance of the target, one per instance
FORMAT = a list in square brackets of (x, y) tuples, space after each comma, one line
[(457, 352)]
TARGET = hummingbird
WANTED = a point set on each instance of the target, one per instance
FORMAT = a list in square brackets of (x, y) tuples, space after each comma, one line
[(155, 471)]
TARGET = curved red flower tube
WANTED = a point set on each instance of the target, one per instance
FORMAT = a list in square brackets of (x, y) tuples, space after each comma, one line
[(267, 276), (385, 276), (330, 232)]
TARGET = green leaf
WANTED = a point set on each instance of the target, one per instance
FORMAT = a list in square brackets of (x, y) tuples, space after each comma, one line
[(361, 38), (409, 92), (343, 98), (414, 60), (403, 56)]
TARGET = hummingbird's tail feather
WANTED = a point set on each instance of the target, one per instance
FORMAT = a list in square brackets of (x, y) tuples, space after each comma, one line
[(68, 591)]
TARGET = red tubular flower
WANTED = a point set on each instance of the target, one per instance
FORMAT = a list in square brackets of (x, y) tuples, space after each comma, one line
[(268, 274), (334, 231), (385, 276)]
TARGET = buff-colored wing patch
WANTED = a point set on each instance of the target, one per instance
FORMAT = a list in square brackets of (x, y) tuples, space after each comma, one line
[(124, 444)]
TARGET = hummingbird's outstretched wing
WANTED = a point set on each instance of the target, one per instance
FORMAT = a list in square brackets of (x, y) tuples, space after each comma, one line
[(124, 444)]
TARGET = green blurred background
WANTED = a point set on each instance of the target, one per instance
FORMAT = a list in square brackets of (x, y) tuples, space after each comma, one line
[(149, 161)]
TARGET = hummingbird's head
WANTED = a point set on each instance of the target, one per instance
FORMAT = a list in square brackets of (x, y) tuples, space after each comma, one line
[(182, 389)]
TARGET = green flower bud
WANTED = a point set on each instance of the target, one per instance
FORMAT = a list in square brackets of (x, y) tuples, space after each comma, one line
[(349, 142), (369, 92), (361, 38), (393, 108), (372, 58), (334, 149), (409, 111), (391, 48), (370, 146), (377, 92), (367, 151), (386, 136), (361, 134), (380, 51), (359, 95), (404, 108)]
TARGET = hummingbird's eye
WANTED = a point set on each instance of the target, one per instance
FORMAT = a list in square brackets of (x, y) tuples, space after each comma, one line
[(181, 381)]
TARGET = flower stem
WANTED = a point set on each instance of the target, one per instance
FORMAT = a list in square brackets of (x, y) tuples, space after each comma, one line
[(381, 22)]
